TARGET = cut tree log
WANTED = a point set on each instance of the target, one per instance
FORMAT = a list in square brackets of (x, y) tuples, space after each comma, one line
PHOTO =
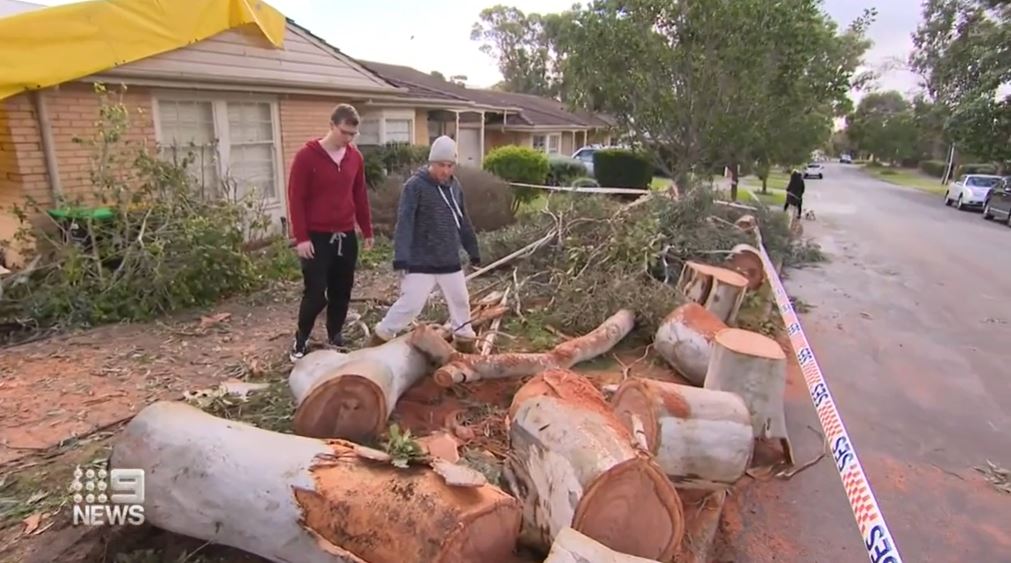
[(696, 281), (727, 294), (351, 396), (746, 223), (747, 261), (753, 366), (702, 439), (572, 463), (685, 340), (290, 498), (463, 368), (572, 547)]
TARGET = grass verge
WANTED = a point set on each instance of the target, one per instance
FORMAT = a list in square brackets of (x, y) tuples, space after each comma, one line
[(909, 178)]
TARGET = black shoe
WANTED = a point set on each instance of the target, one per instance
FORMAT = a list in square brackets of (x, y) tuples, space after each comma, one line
[(337, 341), (299, 349)]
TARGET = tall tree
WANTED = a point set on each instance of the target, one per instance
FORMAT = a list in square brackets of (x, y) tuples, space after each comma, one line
[(883, 126)]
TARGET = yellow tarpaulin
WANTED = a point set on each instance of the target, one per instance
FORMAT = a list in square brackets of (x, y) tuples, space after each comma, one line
[(50, 46)]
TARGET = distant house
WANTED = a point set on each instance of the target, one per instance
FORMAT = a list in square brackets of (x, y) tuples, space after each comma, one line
[(495, 118)]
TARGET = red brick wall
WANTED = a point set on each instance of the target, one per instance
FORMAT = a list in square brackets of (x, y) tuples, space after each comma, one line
[(302, 118)]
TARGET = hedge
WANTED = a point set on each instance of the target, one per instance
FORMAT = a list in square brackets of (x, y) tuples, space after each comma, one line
[(934, 168), (519, 164), (977, 168), (622, 168), (563, 170)]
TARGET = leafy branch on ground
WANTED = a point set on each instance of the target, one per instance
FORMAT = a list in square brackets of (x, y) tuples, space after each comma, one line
[(402, 447)]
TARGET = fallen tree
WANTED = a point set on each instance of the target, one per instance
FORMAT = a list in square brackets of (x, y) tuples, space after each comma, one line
[(464, 368), (290, 498), (685, 340), (753, 366), (719, 290), (702, 439), (747, 261), (573, 464), (572, 547), (352, 395)]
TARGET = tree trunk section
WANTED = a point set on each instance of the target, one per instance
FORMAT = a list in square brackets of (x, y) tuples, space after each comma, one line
[(290, 498), (572, 547), (685, 340), (754, 367), (747, 261), (463, 368), (696, 281), (574, 464), (351, 396), (702, 439), (727, 294)]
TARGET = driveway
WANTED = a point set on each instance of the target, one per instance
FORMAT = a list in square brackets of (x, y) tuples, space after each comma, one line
[(911, 323)]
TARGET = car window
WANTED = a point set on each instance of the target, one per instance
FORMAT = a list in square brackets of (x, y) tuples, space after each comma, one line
[(978, 182), (585, 155)]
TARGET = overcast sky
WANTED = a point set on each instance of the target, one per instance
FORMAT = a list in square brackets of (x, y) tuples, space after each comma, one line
[(392, 31)]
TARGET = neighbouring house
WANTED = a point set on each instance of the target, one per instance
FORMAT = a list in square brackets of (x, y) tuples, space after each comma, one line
[(493, 118)]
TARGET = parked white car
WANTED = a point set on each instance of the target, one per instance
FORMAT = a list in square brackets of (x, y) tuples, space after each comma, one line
[(585, 155), (970, 191), (814, 170)]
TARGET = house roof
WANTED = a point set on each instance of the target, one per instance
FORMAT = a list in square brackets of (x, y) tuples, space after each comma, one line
[(531, 111)]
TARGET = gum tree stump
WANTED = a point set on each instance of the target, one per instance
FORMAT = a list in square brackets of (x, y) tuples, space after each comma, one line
[(701, 438), (753, 366), (696, 281), (351, 396), (685, 340), (572, 463), (464, 368), (727, 294), (572, 547), (747, 261), (290, 498)]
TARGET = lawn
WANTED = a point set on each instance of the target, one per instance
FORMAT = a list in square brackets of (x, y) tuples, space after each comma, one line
[(775, 198), (908, 177)]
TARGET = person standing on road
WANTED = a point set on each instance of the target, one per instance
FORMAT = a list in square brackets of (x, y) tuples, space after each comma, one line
[(432, 225), (326, 198), (795, 192)]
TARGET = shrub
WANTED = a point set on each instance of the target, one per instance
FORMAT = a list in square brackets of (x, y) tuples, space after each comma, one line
[(375, 170), (398, 159), (621, 168), (934, 168), (384, 200), (563, 170), (585, 183), (978, 168), (519, 164)]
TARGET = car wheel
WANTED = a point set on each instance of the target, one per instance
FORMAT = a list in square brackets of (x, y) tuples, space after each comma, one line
[(958, 204), (1008, 222), (987, 215), (821, 176)]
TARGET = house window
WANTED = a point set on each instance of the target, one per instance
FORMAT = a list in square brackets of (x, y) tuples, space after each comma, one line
[(398, 131), (232, 140), (540, 143), (555, 143), (368, 132)]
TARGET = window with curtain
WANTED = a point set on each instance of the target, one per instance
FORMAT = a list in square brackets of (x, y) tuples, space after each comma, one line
[(187, 130), (398, 131)]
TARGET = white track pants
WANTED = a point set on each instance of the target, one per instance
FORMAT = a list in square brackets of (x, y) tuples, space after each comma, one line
[(414, 292)]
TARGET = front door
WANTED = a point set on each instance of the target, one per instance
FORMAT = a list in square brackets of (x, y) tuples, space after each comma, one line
[(469, 147)]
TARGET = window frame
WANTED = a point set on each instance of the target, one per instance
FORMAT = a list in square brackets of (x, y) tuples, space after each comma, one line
[(222, 135)]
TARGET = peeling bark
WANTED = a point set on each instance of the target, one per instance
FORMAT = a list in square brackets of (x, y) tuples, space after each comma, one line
[(573, 464), (572, 547), (463, 368), (685, 340)]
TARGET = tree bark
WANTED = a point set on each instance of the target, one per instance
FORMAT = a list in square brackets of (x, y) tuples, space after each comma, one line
[(290, 498), (351, 396), (747, 261), (727, 294), (685, 340), (754, 367), (696, 281), (702, 439), (572, 547), (574, 464), (463, 368)]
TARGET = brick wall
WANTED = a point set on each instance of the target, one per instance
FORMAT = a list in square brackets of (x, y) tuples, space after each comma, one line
[(494, 138), (302, 118)]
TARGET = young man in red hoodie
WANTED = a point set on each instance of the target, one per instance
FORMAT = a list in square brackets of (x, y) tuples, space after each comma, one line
[(326, 198)]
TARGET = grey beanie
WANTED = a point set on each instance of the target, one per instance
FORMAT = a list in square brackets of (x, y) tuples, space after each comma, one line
[(443, 150)]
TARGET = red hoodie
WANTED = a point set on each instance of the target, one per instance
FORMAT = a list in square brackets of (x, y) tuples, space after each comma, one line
[(325, 197)]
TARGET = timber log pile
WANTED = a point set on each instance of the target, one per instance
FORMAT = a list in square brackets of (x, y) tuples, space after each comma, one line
[(583, 478)]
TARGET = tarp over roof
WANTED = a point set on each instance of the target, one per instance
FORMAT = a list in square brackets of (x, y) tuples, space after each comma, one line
[(51, 46)]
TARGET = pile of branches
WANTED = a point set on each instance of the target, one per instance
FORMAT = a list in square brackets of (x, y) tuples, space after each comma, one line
[(598, 254)]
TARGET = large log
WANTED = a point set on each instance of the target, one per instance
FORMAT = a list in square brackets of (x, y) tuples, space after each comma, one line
[(752, 366), (572, 463), (702, 439), (463, 368), (572, 547), (747, 261), (685, 340), (290, 498), (351, 396), (696, 281), (727, 294)]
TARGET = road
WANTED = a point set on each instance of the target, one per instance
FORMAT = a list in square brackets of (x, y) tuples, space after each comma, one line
[(911, 323)]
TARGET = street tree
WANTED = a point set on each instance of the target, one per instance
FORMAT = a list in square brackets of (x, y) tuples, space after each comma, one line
[(883, 125)]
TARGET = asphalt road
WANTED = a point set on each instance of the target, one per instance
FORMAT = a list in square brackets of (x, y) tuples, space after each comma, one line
[(911, 323)]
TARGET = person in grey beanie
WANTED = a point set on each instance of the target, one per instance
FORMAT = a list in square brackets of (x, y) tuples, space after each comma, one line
[(432, 225)]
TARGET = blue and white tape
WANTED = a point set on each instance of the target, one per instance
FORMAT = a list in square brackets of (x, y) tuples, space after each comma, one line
[(878, 539)]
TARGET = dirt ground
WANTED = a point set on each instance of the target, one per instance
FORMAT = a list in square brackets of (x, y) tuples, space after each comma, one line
[(63, 399)]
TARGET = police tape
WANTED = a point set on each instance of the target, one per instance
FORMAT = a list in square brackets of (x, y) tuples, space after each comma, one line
[(877, 538)]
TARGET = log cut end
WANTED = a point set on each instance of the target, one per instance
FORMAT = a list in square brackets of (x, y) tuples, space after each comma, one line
[(633, 491), (698, 318), (750, 344), (350, 406), (747, 260), (567, 386), (388, 515), (727, 276), (635, 399)]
